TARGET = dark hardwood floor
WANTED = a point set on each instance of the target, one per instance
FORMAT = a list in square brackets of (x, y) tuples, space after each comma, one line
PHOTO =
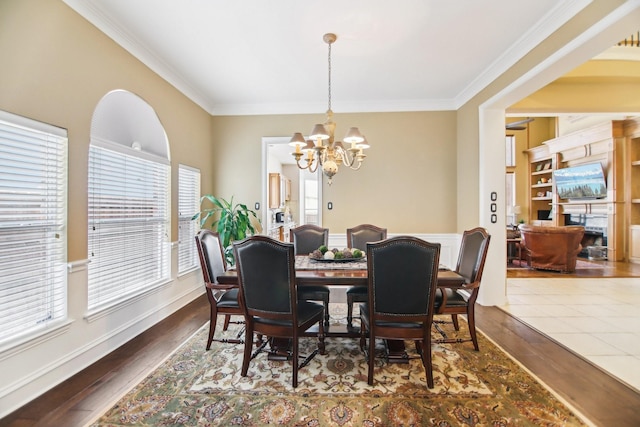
[(80, 399)]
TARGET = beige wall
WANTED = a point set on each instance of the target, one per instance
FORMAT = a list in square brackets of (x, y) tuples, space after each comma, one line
[(406, 184), (56, 67), (594, 87)]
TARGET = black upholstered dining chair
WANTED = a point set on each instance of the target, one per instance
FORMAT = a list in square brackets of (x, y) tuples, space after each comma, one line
[(358, 237), (269, 300), (402, 282), (223, 299), (307, 238), (461, 300)]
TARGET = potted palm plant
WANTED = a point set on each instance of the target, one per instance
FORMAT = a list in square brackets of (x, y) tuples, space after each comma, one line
[(233, 222)]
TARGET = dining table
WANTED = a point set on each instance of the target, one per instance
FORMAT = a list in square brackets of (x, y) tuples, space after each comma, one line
[(310, 272)]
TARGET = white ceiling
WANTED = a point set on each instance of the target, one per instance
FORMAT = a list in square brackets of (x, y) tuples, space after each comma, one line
[(268, 57)]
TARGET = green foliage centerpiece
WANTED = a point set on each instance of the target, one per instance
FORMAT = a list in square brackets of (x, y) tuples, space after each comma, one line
[(233, 223), (324, 253)]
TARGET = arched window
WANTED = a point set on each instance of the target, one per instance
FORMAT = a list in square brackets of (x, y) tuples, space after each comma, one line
[(129, 201)]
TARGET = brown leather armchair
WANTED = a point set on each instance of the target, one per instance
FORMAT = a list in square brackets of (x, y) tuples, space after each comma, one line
[(551, 248)]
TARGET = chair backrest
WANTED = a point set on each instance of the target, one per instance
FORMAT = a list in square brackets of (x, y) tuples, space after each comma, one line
[(211, 255), (472, 255), (552, 240), (360, 235), (307, 238), (402, 277), (266, 276)]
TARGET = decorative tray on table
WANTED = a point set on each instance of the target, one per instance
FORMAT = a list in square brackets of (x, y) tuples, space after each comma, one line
[(323, 254), (336, 260)]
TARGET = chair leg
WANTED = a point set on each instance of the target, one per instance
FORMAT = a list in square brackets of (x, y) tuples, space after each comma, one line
[(212, 325), (454, 319), (326, 312), (349, 311), (321, 334), (471, 321), (248, 344), (227, 319), (425, 354), (372, 355), (294, 360)]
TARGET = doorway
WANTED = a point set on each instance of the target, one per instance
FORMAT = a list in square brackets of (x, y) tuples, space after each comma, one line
[(305, 203)]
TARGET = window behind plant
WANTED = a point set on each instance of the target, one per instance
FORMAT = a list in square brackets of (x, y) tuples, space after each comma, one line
[(188, 206)]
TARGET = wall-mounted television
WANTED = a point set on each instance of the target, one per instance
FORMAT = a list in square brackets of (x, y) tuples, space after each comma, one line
[(581, 182)]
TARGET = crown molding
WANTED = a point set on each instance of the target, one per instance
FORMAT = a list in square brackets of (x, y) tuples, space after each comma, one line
[(89, 11), (553, 20)]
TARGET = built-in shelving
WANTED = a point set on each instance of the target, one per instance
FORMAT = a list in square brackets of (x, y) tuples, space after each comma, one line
[(584, 202), (604, 143), (632, 131), (541, 165)]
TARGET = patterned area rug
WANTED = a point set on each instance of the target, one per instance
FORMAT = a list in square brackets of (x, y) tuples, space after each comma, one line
[(204, 388)]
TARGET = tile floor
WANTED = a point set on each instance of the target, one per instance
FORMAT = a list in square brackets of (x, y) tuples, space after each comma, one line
[(599, 319)]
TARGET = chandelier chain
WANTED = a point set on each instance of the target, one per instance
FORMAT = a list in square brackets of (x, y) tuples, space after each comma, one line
[(329, 62)]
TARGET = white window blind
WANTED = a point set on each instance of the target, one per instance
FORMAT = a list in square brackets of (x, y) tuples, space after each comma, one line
[(188, 206), (33, 171), (128, 224)]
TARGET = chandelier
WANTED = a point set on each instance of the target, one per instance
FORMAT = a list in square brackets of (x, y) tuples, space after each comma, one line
[(322, 150)]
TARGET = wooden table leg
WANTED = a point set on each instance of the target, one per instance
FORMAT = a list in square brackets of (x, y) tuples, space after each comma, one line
[(396, 351)]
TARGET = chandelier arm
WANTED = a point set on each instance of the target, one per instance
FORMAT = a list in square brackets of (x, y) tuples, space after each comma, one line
[(354, 167), (347, 159), (303, 167), (357, 158), (322, 155)]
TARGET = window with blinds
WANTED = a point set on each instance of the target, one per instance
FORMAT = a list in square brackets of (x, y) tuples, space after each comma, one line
[(188, 206), (128, 223), (33, 193)]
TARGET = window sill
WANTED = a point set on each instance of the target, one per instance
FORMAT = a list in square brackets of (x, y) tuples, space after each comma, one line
[(115, 306), (191, 270), (17, 345)]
